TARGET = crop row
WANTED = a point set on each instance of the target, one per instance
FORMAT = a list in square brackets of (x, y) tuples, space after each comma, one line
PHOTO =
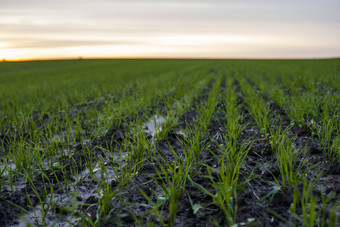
[(181, 143)]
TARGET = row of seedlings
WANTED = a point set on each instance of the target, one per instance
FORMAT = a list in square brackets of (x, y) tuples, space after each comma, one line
[(292, 164)]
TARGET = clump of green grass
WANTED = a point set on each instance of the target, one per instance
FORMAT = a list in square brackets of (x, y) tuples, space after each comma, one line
[(288, 158)]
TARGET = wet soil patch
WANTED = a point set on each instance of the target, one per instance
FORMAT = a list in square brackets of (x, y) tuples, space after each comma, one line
[(144, 180), (111, 140)]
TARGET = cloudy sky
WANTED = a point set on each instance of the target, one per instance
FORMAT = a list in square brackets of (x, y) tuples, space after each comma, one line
[(45, 29)]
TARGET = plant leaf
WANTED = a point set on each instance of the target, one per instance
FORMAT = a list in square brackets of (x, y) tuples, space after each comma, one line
[(196, 208)]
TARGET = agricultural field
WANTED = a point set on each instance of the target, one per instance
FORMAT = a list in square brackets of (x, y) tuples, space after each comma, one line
[(170, 143)]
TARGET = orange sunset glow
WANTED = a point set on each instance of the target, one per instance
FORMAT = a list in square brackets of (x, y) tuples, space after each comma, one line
[(169, 29)]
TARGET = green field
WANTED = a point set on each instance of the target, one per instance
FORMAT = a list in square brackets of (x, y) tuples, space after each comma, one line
[(170, 143)]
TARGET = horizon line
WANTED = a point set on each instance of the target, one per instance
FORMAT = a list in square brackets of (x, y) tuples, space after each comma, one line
[(162, 58)]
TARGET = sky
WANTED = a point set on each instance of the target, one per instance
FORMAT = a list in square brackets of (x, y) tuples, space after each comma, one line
[(46, 29)]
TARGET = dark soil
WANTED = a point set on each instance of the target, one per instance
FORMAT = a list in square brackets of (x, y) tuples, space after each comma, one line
[(255, 202)]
